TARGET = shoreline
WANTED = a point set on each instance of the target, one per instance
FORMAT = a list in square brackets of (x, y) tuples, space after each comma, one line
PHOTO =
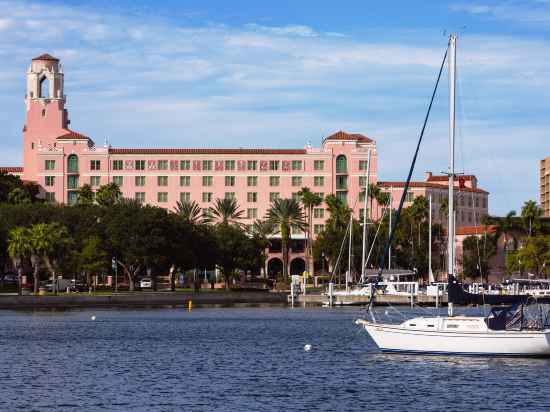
[(141, 300)]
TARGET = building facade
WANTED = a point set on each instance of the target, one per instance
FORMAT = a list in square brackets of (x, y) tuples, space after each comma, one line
[(545, 186), (61, 160)]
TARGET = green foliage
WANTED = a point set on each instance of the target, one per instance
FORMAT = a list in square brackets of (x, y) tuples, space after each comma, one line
[(531, 214), (9, 183), (533, 257), (190, 212), (476, 252), (19, 196), (108, 195), (85, 195), (225, 211)]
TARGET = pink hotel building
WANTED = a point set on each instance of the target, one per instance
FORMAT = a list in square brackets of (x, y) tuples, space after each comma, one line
[(61, 160)]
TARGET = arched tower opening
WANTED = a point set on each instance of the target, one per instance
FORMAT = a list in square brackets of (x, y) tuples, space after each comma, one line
[(44, 88)]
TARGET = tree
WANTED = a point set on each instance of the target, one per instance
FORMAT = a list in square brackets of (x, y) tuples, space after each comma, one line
[(476, 253), (190, 212), (534, 257), (285, 214), (9, 182), (531, 214), (85, 195), (19, 196), (92, 257), (233, 250), (505, 226), (108, 195), (19, 248), (309, 201), (226, 211)]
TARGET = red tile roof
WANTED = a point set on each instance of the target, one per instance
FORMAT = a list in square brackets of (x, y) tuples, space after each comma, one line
[(427, 184), (11, 169), (206, 151), (474, 230), (72, 135), (341, 135), (444, 178), (47, 57)]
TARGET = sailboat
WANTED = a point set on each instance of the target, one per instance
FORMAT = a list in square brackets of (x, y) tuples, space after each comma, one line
[(506, 331)]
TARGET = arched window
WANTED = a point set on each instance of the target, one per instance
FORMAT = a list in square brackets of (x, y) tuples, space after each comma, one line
[(72, 164), (44, 89), (341, 164)]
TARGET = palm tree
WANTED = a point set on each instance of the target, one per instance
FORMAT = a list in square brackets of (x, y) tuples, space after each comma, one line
[(531, 214), (19, 247), (190, 212), (505, 225), (226, 211), (374, 193), (85, 195), (19, 196), (285, 214), (309, 201)]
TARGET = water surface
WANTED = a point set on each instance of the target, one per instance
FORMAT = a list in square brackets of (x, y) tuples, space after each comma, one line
[(240, 359)]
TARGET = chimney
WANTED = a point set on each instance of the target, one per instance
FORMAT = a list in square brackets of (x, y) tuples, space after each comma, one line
[(428, 175)]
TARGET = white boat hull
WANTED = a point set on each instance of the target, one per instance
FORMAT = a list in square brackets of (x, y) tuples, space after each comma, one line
[(396, 338)]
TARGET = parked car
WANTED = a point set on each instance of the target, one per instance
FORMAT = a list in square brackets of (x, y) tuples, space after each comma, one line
[(146, 283)]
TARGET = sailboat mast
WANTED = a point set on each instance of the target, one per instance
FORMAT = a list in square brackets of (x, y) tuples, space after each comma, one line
[(350, 251), (451, 225), (365, 229), (430, 273)]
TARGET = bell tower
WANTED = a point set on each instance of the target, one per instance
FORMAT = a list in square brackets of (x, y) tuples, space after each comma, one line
[(46, 117)]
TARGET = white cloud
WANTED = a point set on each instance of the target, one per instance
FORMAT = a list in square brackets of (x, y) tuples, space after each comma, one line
[(537, 12)]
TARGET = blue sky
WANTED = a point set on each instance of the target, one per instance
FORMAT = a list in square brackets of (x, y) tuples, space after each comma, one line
[(280, 74)]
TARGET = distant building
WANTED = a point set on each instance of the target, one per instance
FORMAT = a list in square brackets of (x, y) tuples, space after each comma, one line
[(545, 186), (60, 160)]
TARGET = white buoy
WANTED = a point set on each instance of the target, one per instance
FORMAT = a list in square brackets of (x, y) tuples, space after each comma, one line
[(386, 313), (93, 317), (307, 347)]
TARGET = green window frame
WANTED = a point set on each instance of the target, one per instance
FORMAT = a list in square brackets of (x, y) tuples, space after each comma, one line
[(207, 164), (296, 180), (252, 165), (72, 164), (207, 180), (273, 165), (252, 180), (341, 164), (49, 164), (117, 165), (140, 197), (273, 196), (185, 164), (252, 197), (95, 164), (274, 180), (319, 164), (318, 180), (206, 196), (185, 180), (72, 182), (229, 195), (230, 180), (229, 165), (49, 181), (185, 197), (118, 180), (162, 197), (162, 181), (296, 165), (95, 181), (139, 164), (139, 181)]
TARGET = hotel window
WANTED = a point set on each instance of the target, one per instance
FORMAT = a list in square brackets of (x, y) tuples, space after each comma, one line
[(251, 213), (274, 180), (319, 181), (207, 164), (363, 164), (185, 164), (162, 164), (185, 180), (229, 165), (49, 165), (207, 180), (185, 197), (469, 217), (296, 180), (72, 182), (341, 182), (319, 165), (229, 195), (296, 165), (50, 180), (296, 196), (252, 164), (318, 213), (139, 164), (140, 181), (477, 201), (341, 164), (117, 165), (484, 202), (162, 197), (318, 229), (206, 196), (409, 197), (50, 196), (140, 196), (320, 194), (273, 196), (72, 164), (162, 180), (118, 180), (342, 196), (273, 165), (362, 195), (252, 197), (469, 202), (230, 180), (95, 165), (95, 181), (362, 181), (252, 181)]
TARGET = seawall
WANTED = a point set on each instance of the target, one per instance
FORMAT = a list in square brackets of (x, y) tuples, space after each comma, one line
[(141, 299)]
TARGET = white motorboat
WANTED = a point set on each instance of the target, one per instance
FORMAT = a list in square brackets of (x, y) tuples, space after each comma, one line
[(505, 332)]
